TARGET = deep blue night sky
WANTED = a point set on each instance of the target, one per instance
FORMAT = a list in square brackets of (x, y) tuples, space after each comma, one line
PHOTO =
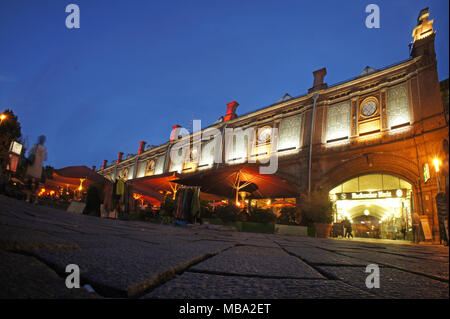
[(136, 68)]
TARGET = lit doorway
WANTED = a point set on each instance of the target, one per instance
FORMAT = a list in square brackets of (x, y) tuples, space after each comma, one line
[(377, 205)]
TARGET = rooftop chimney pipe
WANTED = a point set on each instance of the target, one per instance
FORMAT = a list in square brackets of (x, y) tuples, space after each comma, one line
[(318, 84), (141, 147), (231, 111), (119, 158), (175, 132)]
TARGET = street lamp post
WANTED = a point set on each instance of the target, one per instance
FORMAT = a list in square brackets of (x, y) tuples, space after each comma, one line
[(2, 117)]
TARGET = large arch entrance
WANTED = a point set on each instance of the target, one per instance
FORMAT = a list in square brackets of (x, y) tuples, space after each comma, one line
[(377, 205)]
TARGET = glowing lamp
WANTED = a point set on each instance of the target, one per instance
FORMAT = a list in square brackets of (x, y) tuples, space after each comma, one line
[(436, 164)]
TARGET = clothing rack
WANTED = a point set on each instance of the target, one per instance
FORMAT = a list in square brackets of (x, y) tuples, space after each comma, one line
[(187, 205)]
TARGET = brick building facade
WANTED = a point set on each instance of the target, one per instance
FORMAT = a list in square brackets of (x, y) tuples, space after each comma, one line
[(380, 131)]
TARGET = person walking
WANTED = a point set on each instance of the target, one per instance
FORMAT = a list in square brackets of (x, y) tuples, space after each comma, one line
[(36, 156), (348, 228)]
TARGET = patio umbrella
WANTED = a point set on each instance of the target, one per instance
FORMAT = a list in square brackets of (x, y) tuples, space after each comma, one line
[(78, 172), (230, 180)]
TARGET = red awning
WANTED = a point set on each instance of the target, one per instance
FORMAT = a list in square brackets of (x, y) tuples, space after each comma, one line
[(156, 184), (222, 182), (71, 177), (78, 172)]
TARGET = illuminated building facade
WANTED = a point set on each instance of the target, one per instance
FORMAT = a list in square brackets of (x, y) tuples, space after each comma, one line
[(373, 143)]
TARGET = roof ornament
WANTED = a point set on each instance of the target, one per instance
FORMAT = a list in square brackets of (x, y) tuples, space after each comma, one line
[(424, 26)]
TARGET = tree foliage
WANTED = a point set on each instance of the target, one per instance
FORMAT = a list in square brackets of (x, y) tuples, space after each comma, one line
[(229, 213), (289, 216), (260, 215), (317, 207), (10, 130)]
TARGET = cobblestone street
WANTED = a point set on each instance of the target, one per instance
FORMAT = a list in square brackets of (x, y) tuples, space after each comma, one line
[(128, 259)]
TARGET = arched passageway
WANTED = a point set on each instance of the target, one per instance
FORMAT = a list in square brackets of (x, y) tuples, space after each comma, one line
[(378, 205)]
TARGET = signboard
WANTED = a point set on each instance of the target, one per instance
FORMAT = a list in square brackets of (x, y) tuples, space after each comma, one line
[(76, 207), (426, 228), (16, 148), (426, 172), (392, 193)]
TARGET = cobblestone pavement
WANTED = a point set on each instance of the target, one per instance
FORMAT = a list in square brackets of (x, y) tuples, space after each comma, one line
[(130, 259)]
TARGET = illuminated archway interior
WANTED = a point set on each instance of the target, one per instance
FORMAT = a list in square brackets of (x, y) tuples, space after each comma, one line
[(378, 205)]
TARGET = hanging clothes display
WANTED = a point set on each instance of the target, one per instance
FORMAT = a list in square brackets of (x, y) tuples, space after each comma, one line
[(120, 187), (187, 204), (108, 198), (195, 204), (178, 204)]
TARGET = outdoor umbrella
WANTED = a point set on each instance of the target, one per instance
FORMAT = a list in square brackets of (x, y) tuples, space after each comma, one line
[(230, 180), (78, 172)]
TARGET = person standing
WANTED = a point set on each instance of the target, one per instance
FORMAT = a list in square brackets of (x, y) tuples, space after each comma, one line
[(94, 199), (348, 228), (403, 229), (416, 228), (2, 179), (37, 155)]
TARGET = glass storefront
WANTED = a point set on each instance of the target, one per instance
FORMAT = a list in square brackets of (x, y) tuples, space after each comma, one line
[(377, 205)]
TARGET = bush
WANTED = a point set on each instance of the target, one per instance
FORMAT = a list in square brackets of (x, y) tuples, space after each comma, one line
[(147, 215), (260, 215), (289, 216), (318, 208), (166, 220), (228, 214), (168, 206), (205, 210)]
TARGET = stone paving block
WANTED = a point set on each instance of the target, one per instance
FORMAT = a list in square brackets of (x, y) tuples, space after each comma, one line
[(86, 241), (25, 277), (258, 261), (415, 255), (19, 239), (318, 256), (260, 243), (424, 266), (206, 286), (393, 283), (129, 269), (128, 258), (33, 225)]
